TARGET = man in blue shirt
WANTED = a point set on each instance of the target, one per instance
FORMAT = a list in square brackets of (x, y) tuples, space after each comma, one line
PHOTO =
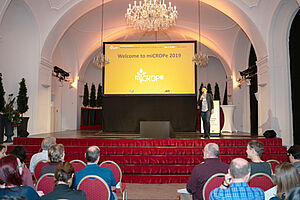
[(92, 156), (235, 186)]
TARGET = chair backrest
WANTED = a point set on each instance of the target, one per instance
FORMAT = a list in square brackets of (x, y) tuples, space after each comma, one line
[(78, 165), (45, 183), (273, 164), (94, 187), (213, 182), (114, 168), (261, 180), (38, 168)]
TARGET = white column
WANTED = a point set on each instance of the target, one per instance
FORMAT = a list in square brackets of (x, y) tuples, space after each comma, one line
[(44, 96), (263, 95)]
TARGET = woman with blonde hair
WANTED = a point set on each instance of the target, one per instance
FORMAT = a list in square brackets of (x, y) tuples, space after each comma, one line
[(286, 178)]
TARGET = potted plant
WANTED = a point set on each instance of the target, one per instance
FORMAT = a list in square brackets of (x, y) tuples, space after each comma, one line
[(99, 100), (92, 104), (12, 118), (85, 101), (2, 103), (217, 92), (22, 103)]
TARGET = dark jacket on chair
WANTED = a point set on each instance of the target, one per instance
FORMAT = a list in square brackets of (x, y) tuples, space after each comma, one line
[(63, 191)]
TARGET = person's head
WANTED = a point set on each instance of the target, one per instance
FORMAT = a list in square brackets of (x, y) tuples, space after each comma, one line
[(294, 194), (239, 169), (255, 148), (211, 150), (10, 172), (92, 155), (48, 142), (56, 153), (20, 152), (64, 173), (204, 89), (286, 177), (294, 153), (2, 150)]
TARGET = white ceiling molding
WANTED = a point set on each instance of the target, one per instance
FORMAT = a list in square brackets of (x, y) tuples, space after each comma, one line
[(251, 3), (58, 4), (3, 6)]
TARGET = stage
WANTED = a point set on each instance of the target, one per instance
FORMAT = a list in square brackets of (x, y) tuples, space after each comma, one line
[(135, 135)]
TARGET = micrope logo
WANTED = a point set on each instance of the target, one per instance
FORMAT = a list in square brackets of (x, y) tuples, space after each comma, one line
[(112, 47), (143, 77)]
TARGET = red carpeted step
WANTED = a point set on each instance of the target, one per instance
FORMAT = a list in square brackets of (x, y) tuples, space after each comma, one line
[(156, 160)]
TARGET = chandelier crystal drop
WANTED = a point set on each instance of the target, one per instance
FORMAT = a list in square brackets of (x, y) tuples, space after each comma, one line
[(152, 15), (99, 61), (201, 59)]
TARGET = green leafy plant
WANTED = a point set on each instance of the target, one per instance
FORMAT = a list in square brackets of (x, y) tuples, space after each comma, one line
[(86, 95), (2, 100), (99, 101), (22, 98), (93, 96)]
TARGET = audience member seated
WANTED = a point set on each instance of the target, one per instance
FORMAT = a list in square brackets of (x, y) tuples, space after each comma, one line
[(92, 156), (63, 180), (235, 186), (294, 155), (2, 150), (56, 154), (20, 152), (11, 180), (254, 151), (286, 178), (46, 144), (294, 194), (202, 172)]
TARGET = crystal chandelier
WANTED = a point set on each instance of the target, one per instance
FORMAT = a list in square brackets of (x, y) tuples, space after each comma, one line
[(200, 58), (152, 15), (100, 61)]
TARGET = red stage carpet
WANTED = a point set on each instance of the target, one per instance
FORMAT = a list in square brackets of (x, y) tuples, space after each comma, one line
[(156, 160)]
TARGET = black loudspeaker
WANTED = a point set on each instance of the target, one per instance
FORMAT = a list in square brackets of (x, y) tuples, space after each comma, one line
[(270, 134), (156, 129)]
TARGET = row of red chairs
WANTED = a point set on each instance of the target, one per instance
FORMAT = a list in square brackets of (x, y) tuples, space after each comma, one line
[(148, 142), (95, 187), (157, 150)]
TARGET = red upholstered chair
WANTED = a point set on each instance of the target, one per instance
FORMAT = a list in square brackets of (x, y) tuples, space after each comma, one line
[(273, 164), (38, 167), (94, 187), (46, 183), (261, 180), (78, 165), (213, 182), (121, 187)]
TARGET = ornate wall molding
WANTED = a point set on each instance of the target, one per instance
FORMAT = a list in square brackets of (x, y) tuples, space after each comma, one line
[(58, 4), (46, 64), (3, 6), (251, 3)]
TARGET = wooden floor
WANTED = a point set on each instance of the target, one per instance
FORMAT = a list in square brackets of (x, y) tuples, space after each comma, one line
[(133, 135)]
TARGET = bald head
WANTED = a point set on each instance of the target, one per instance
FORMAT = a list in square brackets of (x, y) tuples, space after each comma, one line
[(239, 168), (92, 154), (211, 150)]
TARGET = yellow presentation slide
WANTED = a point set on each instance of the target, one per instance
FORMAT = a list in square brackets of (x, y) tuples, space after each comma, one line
[(149, 68)]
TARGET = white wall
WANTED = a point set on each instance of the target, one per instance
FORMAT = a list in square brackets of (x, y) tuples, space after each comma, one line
[(19, 57)]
